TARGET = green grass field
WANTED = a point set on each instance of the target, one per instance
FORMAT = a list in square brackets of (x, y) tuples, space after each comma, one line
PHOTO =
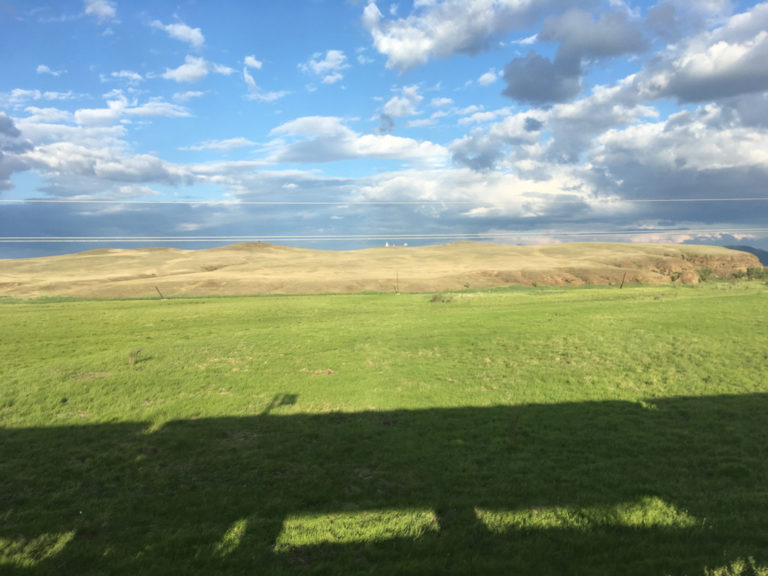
[(521, 431)]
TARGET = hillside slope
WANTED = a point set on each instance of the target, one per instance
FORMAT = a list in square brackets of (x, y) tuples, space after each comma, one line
[(259, 268), (761, 254)]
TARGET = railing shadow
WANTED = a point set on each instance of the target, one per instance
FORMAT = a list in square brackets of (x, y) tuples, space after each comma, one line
[(502, 489)]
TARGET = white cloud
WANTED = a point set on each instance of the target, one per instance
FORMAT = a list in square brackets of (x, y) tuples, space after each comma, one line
[(485, 116), (43, 69), (195, 69), (488, 78), (252, 62), (265, 96), (326, 139), (254, 91), (440, 102), (128, 75), (527, 41), (441, 29), (221, 145), (249, 79), (182, 32), (19, 97), (404, 105), (724, 62), (111, 165), (688, 140), (188, 95), (118, 106), (362, 57), (328, 67), (48, 115), (103, 10), (157, 107)]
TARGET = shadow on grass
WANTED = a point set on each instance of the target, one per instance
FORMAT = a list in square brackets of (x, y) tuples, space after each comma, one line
[(678, 487)]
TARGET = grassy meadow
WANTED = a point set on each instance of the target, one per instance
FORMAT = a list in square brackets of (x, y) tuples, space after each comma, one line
[(527, 430)]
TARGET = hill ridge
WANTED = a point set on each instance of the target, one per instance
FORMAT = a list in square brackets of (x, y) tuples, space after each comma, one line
[(264, 268)]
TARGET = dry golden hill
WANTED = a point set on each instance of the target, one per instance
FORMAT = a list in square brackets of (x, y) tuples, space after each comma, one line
[(259, 268)]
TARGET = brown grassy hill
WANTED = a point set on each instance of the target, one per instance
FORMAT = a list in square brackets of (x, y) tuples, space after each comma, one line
[(259, 268)]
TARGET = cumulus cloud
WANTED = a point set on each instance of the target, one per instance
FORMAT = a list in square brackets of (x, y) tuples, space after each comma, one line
[(724, 62), (581, 36), (328, 67), (180, 31), (675, 19), (195, 69), (328, 139), (49, 114), (11, 146), (538, 80), (482, 150), (118, 106), (102, 10), (405, 104), (488, 78), (112, 165), (443, 28), (720, 70), (571, 128)]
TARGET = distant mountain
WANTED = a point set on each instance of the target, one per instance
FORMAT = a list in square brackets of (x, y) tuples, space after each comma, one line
[(761, 254)]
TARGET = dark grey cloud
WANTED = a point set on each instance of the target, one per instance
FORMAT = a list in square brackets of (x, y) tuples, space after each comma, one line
[(672, 20), (533, 125), (716, 64), (747, 74), (537, 80), (386, 124), (582, 37), (751, 109), (478, 155), (663, 20), (11, 144)]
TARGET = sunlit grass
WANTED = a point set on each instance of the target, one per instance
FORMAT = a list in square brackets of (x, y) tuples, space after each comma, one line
[(647, 513), (27, 552), (347, 527)]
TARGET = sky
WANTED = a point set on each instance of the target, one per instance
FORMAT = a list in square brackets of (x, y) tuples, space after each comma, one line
[(345, 124)]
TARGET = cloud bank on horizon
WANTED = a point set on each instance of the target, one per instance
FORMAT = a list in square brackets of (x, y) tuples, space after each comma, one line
[(344, 124)]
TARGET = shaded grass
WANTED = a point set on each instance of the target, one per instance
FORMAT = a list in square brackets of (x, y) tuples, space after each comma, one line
[(535, 431)]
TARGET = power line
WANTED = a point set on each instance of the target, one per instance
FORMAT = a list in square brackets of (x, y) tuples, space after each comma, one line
[(379, 237), (362, 202)]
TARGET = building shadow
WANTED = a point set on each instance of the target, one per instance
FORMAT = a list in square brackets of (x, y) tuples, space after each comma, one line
[(673, 487)]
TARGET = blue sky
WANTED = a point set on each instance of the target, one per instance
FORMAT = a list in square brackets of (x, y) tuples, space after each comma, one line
[(347, 124)]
